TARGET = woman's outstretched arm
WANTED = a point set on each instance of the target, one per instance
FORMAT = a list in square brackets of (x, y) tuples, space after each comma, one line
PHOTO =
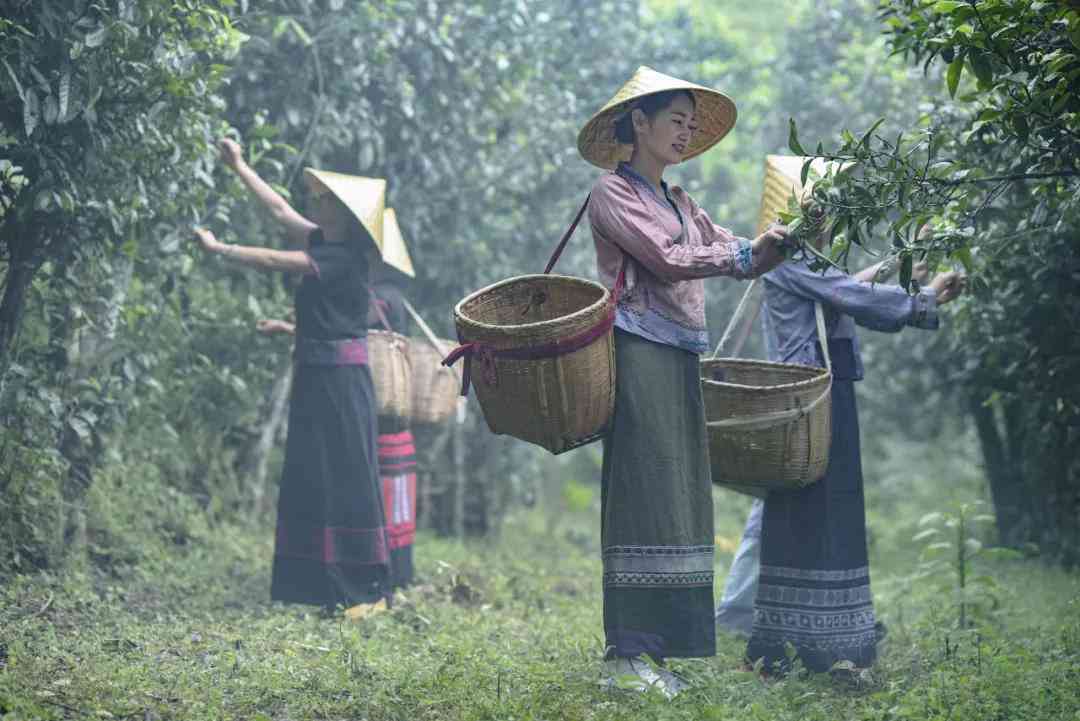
[(297, 227), (268, 259), (270, 326)]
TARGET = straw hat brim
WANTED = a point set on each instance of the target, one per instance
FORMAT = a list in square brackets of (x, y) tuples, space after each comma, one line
[(715, 114), (364, 197), (394, 251)]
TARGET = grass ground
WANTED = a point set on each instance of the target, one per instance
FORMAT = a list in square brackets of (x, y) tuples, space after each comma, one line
[(504, 628)]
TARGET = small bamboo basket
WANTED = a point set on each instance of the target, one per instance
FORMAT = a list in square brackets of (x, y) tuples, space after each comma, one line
[(526, 386), (435, 388), (768, 424), (391, 370)]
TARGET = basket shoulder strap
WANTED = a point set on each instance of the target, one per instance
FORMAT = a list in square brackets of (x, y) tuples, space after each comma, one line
[(378, 304), (823, 337), (566, 236), (744, 307), (424, 327)]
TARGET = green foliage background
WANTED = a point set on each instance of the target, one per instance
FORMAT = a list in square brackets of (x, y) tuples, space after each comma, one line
[(129, 369)]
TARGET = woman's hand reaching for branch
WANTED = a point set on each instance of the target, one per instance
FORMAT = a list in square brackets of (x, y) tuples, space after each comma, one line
[(231, 153), (949, 286)]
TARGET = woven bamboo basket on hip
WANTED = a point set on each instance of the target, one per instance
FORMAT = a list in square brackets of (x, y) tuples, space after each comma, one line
[(561, 401), (768, 424), (391, 370), (435, 388)]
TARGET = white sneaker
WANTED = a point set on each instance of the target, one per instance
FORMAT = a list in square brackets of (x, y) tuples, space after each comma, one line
[(636, 674), (675, 683)]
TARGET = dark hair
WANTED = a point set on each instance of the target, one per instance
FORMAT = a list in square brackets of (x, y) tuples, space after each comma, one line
[(650, 105)]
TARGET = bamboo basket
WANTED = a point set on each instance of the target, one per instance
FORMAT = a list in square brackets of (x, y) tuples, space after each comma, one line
[(391, 370), (558, 402), (435, 388), (768, 424)]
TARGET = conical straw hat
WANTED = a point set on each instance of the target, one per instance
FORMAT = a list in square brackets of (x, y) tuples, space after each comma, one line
[(394, 252), (715, 117), (782, 178), (364, 197)]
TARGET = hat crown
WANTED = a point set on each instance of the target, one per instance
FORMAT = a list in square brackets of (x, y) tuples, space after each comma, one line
[(364, 197)]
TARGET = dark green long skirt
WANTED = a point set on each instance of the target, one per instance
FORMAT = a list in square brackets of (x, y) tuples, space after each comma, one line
[(657, 510)]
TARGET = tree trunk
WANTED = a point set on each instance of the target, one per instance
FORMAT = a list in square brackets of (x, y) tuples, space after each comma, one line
[(264, 445), (1007, 483), (16, 283)]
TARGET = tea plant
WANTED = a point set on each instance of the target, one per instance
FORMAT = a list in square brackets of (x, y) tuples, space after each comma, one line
[(951, 546)]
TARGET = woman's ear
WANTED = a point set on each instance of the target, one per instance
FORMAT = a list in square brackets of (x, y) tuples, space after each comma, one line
[(640, 120)]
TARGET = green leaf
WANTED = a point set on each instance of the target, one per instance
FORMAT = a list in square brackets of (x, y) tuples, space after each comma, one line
[(31, 111), (1020, 124), (793, 138), (924, 534), (952, 77), (865, 142), (944, 7), (96, 38), (964, 256), (64, 93), (931, 518), (81, 427), (15, 80), (52, 110), (937, 548), (980, 65), (805, 172), (905, 271)]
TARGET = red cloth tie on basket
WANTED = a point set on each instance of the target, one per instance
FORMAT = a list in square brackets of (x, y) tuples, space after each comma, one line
[(485, 354)]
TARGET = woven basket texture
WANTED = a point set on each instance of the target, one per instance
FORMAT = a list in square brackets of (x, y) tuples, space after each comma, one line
[(557, 403), (769, 455), (391, 369), (435, 388)]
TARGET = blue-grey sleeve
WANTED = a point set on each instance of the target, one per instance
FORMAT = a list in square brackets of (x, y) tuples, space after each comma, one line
[(877, 306)]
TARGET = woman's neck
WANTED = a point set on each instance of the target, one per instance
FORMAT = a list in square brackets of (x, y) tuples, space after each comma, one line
[(648, 166)]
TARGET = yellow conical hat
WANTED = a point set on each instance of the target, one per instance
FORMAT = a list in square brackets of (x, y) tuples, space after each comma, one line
[(782, 178), (394, 251), (364, 197), (715, 117)]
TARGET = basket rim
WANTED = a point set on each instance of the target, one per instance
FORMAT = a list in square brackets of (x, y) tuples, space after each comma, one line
[(821, 375), (536, 325)]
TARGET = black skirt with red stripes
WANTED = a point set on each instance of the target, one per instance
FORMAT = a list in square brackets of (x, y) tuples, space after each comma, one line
[(397, 468), (332, 548)]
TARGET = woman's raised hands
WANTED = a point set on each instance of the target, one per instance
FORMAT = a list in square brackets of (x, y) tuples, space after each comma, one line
[(231, 152)]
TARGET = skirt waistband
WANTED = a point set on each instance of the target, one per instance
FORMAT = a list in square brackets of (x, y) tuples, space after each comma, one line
[(316, 352)]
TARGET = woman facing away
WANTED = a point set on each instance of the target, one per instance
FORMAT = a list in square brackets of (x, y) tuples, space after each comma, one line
[(655, 246), (396, 445), (331, 547), (813, 585)]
